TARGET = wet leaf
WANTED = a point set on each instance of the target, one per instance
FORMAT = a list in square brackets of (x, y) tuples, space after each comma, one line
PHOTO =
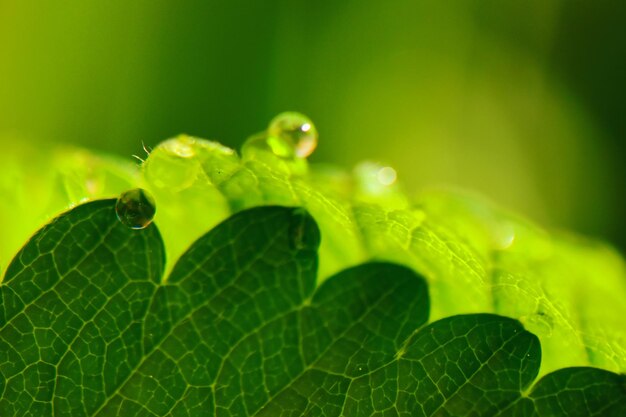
[(90, 327)]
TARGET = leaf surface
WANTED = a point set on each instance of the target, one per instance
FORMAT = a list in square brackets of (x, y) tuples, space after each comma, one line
[(89, 327), (476, 257)]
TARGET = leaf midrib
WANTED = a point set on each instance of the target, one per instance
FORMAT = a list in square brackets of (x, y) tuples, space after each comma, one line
[(484, 363), (146, 355), (313, 362)]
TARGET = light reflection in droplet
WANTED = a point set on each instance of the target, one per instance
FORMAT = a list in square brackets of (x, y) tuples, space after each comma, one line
[(182, 146), (386, 176), (135, 208), (296, 131), (173, 164), (505, 236)]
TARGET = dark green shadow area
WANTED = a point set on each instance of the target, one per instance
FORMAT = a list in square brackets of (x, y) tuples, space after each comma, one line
[(88, 327)]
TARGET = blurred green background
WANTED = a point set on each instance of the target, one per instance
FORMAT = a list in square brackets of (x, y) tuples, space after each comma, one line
[(523, 102)]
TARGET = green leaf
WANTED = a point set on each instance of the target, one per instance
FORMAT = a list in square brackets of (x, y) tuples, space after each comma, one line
[(72, 302), (476, 257), (239, 328), (37, 184), (583, 392)]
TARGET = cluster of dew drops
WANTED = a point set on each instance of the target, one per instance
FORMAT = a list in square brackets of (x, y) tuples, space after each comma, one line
[(289, 135)]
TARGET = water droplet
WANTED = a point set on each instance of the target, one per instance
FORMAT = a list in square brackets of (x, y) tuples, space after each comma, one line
[(292, 133), (374, 178), (173, 164), (386, 175), (261, 142), (273, 151), (135, 208), (503, 236), (182, 146), (375, 182)]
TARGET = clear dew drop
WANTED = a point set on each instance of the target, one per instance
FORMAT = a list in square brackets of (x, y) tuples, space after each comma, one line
[(173, 165), (374, 178), (183, 146), (292, 134), (135, 208), (504, 236), (386, 176), (261, 142)]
